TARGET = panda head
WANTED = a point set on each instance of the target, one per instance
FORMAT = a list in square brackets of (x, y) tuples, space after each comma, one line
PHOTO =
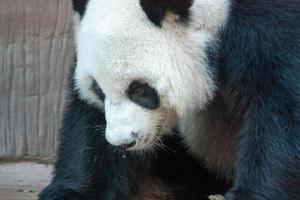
[(145, 63)]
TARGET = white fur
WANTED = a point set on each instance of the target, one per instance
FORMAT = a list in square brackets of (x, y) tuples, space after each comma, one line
[(117, 44), (128, 122), (76, 21), (83, 79)]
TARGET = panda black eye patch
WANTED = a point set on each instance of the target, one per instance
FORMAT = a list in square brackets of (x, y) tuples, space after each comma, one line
[(143, 94), (98, 91)]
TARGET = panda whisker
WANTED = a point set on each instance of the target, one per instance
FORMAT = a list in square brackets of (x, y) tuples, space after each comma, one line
[(101, 126), (97, 127), (108, 148), (152, 151), (100, 129), (163, 130), (165, 147), (158, 144)]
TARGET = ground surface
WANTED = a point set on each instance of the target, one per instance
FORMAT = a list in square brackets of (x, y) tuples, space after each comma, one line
[(23, 181)]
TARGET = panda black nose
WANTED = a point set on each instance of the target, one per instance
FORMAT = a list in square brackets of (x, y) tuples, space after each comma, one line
[(126, 146)]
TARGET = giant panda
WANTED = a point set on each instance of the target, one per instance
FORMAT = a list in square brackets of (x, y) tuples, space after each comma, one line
[(188, 96)]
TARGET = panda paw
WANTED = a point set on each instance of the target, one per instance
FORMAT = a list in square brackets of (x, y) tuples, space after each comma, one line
[(59, 192)]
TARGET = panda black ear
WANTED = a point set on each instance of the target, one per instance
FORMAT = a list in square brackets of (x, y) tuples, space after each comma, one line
[(79, 6), (156, 9)]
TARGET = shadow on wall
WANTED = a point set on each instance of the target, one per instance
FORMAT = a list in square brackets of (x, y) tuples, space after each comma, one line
[(36, 50)]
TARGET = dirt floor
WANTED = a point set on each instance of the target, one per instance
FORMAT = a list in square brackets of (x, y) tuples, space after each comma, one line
[(23, 180)]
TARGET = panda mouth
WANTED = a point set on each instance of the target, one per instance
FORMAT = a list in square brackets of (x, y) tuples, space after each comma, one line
[(145, 143), (151, 141)]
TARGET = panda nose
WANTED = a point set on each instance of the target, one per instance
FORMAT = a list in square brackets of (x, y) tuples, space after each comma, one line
[(127, 146)]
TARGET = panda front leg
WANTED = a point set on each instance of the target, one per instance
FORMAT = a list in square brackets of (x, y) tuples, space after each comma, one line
[(269, 155), (87, 167)]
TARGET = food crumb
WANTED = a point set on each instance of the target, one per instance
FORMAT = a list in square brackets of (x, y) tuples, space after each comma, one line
[(216, 197)]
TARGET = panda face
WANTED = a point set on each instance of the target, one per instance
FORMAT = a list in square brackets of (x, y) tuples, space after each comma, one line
[(136, 120), (150, 73)]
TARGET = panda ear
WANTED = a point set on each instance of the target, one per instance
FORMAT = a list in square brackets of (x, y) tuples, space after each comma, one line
[(79, 6), (156, 9)]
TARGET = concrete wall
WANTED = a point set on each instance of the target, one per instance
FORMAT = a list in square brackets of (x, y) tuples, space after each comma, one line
[(35, 54)]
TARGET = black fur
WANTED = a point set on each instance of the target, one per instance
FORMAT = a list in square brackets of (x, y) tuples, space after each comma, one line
[(88, 168), (98, 91), (80, 6), (261, 89), (144, 95), (156, 9)]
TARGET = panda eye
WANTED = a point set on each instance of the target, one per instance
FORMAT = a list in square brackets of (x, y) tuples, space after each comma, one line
[(98, 91), (143, 94), (138, 92)]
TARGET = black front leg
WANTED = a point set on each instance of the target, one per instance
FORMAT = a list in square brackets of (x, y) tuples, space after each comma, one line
[(269, 154), (57, 191), (87, 167)]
